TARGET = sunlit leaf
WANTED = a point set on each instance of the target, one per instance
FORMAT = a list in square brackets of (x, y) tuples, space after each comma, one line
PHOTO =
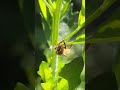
[(81, 18), (80, 38), (49, 85), (43, 8), (63, 84), (45, 71)]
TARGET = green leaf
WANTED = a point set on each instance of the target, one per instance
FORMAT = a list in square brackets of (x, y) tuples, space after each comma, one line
[(69, 22), (82, 75), (60, 64), (82, 36), (105, 5), (43, 8), (109, 30), (40, 38), (45, 71), (81, 18), (47, 30), (65, 7), (81, 86), (80, 39), (81, 22), (71, 72), (38, 84), (70, 17), (51, 4), (20, 86), (63, 84), (49, 85), (42, 33)]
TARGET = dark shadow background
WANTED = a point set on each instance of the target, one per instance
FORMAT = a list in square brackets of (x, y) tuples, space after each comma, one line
[(100, 57), (13, 43)]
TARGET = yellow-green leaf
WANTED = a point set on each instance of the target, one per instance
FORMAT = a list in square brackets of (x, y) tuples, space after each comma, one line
[(63, 85), (81, 19), (49, 85), (43, 8), (45, 71)]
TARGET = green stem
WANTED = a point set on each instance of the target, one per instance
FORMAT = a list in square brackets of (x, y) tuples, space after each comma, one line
[(81, 42), (74, 32), (55, 33)]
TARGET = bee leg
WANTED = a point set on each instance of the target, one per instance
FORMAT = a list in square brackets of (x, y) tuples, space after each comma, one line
[(71, 46), (65, 55), (65, 45)]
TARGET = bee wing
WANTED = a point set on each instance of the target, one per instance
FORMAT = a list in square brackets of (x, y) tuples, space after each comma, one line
[(66, 52)]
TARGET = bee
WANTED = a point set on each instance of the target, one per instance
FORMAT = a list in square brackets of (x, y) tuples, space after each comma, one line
[(61, 48)]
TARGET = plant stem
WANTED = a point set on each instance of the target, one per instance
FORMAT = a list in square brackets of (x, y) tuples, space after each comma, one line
[(81, 42), (55, 33), (74, 32)]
